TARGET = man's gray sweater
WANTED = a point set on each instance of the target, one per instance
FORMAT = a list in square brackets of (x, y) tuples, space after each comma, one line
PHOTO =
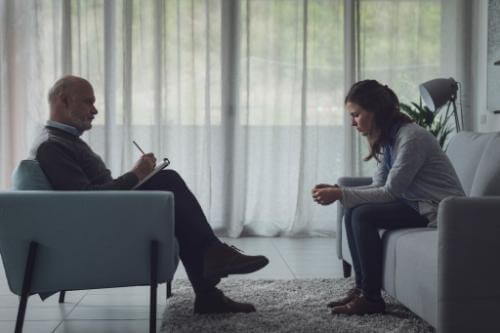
[(70, 164)]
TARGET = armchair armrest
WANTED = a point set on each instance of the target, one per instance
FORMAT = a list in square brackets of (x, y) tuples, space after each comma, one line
[(348, 182), (86, 240), (468, 266)]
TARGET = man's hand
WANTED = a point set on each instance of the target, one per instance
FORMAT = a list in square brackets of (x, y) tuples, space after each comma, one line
[(144, 166), (326, 194)]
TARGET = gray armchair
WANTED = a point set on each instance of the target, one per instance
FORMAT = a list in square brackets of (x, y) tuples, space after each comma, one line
[(53, 241)]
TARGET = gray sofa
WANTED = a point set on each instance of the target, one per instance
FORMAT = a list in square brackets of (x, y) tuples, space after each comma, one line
[(449, 276)]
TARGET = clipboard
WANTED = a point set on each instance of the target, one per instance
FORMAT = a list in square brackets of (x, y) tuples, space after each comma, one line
[(157, 169)]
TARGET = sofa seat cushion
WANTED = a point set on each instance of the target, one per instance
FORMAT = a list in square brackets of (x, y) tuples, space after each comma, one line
[(410, 269)]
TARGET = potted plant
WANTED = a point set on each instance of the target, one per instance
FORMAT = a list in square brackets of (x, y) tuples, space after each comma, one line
[(423, 116)]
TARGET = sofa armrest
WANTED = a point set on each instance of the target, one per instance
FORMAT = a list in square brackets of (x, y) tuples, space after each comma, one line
[(348, 182), (86, 240), (354, 181), (468, 265)]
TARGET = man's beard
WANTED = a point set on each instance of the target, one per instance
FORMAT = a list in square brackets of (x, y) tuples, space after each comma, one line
[(81, 124)]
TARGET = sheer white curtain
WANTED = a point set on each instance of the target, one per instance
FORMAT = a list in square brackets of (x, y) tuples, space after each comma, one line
[(403, 43), (244, 97), (291, 114), (28, 64)]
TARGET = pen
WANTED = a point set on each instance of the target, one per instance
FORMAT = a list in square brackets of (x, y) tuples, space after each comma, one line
[(142, 151)]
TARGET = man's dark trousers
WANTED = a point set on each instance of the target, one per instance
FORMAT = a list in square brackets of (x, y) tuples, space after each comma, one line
[(192, 230)]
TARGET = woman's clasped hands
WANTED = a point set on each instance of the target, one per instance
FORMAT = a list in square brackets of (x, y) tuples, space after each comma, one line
[(326, 194)]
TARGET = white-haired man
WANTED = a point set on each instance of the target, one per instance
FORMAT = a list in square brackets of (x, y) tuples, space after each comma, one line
[(70, 164)]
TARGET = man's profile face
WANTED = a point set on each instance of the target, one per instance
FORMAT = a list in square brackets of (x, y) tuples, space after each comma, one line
[(80, 106)]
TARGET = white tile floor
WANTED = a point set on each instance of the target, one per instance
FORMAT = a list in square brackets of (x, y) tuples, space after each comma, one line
[(127, 309)]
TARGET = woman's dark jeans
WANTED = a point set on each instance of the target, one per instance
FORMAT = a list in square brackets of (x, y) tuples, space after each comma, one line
[(362, 224)]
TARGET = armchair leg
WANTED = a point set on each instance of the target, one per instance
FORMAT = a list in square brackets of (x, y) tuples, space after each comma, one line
[(169, 289), (62, 294), (154, 286), (346, 267), (28, 275)]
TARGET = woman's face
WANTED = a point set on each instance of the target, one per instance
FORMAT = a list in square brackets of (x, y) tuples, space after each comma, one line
[(361, 119)]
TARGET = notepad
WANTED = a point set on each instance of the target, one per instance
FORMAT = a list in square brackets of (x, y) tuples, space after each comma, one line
[(158, 168)]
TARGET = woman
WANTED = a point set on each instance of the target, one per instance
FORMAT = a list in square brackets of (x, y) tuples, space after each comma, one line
[(412, 177)]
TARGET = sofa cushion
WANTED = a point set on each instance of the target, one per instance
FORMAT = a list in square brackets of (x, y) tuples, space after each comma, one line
[(410, 269), (487, 178), (465, 151), (29, 176)]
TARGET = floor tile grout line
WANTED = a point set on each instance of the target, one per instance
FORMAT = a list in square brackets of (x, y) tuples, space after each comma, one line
[(31, 320), (109, 319), (283, 258), (71, 311)]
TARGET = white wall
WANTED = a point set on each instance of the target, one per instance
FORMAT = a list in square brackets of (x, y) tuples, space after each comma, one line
[(456, 35), (483, 120)]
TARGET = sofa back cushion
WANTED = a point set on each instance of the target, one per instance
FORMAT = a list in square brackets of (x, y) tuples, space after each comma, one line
[(465, 151), (487, 178), (29, 176)]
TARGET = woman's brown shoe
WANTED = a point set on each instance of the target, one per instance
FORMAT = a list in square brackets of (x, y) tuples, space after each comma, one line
[(351, 294), (360, 306)]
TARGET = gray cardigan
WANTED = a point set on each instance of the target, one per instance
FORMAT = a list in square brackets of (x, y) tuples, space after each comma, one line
[(421, 172)]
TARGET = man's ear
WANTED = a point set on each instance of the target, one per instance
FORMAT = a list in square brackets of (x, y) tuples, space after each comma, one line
[(64, 99)]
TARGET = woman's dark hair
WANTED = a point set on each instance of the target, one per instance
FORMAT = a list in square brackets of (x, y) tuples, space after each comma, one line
[(384, 104)]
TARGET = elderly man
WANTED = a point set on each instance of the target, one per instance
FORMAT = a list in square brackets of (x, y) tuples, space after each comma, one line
[(70, 164)]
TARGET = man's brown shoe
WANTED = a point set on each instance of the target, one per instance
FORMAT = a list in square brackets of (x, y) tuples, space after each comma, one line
[(360, 306), (217, 302), (354, 292), (222, 260)]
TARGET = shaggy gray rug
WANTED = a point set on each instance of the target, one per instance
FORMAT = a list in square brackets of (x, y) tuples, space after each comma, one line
[(284, 306)]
